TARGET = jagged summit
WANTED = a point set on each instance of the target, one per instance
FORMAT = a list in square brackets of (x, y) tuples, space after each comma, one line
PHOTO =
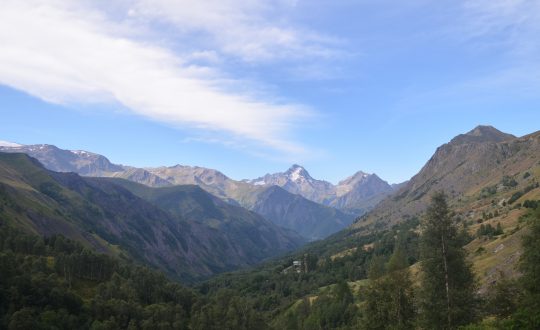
[(482, 133), (354, 194), (297, 172), (356, 177)]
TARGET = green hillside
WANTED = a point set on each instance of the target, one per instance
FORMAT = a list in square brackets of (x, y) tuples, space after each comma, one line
[(108, 218)]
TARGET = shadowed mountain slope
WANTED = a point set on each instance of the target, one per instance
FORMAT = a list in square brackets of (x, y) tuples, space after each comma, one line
[(109, 218)]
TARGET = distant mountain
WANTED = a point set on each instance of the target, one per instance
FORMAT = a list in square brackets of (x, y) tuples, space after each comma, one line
[(288, 211), (210, 180), (354, 195), (9, 144), (207, 237), (360, 192), (311, 220), (298, 181), (78, 161), (139, 175), (82, 162), (470, 162), (246, 231)]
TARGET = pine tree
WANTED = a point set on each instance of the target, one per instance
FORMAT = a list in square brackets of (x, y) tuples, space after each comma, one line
[(447, 297), (528, 315), (389, 298)]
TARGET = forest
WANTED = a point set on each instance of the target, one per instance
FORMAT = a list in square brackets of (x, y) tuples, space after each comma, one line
[(56, 283)]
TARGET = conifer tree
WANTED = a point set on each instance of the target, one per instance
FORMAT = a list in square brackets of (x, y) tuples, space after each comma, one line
[(389, 298), (447, 298), (528, 315)]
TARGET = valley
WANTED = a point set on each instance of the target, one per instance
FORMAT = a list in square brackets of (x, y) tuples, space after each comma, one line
[(196, 226)]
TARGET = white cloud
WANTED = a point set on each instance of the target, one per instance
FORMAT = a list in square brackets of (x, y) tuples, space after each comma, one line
[(66, 52), (514, 23), (251, 30)]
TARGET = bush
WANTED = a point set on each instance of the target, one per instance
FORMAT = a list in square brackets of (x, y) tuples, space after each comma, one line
[(508, 182), (531, 204)]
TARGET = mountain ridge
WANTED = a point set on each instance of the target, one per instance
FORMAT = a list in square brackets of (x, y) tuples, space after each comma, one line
[(239, 193), (109, 218), (459, 167), (354, 194)]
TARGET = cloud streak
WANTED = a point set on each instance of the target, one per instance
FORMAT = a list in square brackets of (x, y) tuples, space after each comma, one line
[(64, 52), (250, 30)]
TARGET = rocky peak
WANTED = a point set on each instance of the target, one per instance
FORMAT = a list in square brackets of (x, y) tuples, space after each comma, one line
[(355, 178), (481, 134), (297, 173)]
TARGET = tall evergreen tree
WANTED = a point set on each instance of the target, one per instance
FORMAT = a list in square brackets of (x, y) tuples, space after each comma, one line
[(389, 298), (447, 298), (528, 315)]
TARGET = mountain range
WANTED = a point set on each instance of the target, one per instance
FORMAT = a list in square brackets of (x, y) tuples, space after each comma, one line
[(313, 208), (354, 195), (182, 230), (491, 181), (465, 167)]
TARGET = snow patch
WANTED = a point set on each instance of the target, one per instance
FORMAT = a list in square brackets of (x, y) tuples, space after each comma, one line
[(8, 144), (295, 175), (80, 152), (259, 183)]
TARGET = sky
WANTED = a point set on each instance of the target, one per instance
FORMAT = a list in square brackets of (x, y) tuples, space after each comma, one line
[(250, 87)]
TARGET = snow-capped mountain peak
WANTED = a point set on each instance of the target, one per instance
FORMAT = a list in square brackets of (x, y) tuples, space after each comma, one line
[(297, 173)]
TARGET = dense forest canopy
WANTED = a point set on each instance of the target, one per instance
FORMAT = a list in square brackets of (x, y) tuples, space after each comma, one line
[(54, 282)]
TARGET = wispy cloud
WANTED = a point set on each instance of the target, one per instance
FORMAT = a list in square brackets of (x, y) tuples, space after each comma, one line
[(250, 30), (67, 52), (512, 23), (503, 33)]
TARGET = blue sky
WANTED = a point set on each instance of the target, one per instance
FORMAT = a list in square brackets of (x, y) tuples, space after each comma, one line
[(251, 87)]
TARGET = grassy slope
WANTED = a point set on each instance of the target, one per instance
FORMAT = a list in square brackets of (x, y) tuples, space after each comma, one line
[(491, 257)]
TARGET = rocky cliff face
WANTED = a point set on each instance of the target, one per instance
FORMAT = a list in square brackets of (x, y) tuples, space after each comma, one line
[(462, 167), (360, 193), (298, 181)]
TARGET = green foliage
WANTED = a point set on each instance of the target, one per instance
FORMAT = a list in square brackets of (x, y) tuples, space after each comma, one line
[(517, 195), (531, 204), (489, 231), (503, 298), (389, 299), (447, 297), (508, 182), (227, 310), (280, 297), (528, 314), (488, 191), (334, 309), (52, 190), (56, 283)]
